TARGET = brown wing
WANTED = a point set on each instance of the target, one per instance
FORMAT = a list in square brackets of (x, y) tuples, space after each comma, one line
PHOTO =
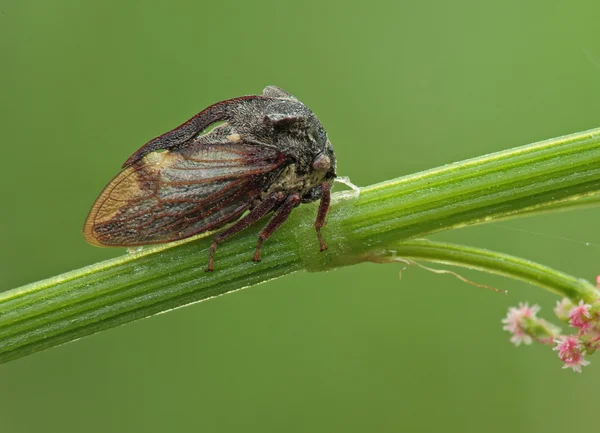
[(175, 194)]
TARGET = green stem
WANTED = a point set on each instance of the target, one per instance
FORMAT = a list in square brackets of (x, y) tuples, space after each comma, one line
[(503, 184), (563, 206), (492, 262), (474, 191)]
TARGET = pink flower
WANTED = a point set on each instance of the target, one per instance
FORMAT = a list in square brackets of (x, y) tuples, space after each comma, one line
[(571, 352), (579, 316), (562, 309), (515, 322), (598, 281)]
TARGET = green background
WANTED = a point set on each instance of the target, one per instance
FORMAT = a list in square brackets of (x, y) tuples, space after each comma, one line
[(401, 86)]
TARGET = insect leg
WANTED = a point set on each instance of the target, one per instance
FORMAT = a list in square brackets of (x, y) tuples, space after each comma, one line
[(280, 216), (323, 208), (254, 215)]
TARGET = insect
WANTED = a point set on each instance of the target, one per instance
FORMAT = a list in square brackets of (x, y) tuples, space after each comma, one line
[(265, 153)]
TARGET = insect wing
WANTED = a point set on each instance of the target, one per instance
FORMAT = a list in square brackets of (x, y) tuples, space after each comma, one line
[(172, 195)]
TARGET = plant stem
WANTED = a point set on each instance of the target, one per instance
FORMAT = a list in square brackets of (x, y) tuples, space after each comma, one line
[(474, 191), (114, 292), (492, 262)]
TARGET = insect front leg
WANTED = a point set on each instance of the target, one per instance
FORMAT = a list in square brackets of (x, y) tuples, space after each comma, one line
[(280, 216), (254, 215), (322, 213)]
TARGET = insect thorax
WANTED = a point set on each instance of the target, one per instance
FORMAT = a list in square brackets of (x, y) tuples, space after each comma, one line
[(290, 181)]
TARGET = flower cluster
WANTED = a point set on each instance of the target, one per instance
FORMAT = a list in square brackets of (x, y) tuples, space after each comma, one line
[(570, 351), (524, 325)]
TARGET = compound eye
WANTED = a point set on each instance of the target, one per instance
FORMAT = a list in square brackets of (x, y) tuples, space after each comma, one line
[(322, 163)]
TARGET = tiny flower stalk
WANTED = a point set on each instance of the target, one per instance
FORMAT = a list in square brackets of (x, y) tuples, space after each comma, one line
[(492, 262)]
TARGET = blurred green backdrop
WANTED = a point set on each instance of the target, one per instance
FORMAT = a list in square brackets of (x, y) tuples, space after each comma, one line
[(401, 86)]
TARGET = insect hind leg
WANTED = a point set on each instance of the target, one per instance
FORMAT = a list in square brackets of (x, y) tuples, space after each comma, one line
[(254, 215), (280, 216)]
